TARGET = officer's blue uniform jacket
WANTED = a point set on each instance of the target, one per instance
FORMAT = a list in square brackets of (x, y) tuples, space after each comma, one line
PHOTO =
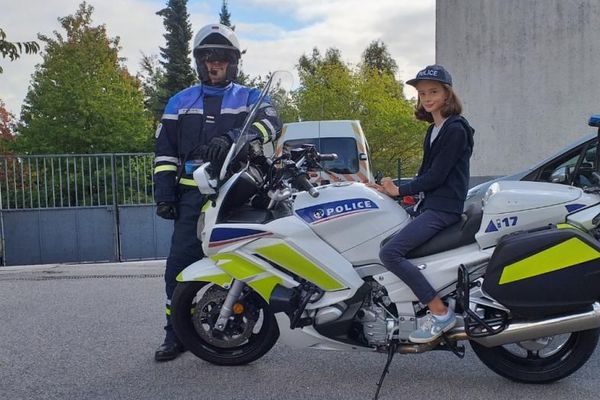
[(193, 117)]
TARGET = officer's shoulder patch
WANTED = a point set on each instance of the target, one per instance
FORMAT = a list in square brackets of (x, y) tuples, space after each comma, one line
[(270, 111)]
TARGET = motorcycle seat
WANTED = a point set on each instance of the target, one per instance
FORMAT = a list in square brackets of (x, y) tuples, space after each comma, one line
[(459, 234)]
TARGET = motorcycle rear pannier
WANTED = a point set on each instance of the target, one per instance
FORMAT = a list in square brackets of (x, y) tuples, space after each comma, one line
[(545, 272)]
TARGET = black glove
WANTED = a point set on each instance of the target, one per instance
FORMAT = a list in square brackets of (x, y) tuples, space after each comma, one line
[(200, 153), (217, 149), (251, 151), (166, 210), (255, 149)]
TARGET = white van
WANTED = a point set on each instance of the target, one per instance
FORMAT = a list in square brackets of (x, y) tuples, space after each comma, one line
[(344, 138)]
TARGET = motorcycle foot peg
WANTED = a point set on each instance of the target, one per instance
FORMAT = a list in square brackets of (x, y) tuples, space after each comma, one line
[(458, 350), (302, 322)]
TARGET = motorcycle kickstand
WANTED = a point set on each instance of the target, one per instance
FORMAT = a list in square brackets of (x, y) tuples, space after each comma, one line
[(393, 347), (459, 351)]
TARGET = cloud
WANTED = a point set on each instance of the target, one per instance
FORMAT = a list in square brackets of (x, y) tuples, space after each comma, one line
[(134, 21), (406, 27), (275, 33)]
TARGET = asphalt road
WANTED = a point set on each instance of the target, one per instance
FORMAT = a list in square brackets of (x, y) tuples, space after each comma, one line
[(90, 331)]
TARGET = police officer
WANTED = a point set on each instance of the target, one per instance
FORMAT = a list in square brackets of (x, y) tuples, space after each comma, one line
[(199, 124)]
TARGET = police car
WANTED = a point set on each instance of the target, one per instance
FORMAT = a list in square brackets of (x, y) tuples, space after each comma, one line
[(572, 165)]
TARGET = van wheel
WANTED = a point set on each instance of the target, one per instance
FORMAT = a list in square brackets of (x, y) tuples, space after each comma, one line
[(541, 360)]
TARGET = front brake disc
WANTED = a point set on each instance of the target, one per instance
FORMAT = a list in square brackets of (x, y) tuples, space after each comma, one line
[(206, 312)]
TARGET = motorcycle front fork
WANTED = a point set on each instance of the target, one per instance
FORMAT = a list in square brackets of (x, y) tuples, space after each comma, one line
[(233, 296)]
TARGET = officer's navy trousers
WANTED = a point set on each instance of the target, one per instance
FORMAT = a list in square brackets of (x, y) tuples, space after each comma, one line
[(186, 248)]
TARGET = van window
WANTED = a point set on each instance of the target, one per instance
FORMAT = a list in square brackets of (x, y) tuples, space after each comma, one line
[(345, 148)]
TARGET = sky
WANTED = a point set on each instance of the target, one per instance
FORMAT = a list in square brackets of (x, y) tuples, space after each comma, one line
[(274, 33)]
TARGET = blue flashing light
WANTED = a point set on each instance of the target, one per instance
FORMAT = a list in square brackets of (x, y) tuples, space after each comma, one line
[(594, 120)]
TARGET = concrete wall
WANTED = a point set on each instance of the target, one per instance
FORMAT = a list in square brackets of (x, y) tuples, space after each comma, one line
[(528, 72)]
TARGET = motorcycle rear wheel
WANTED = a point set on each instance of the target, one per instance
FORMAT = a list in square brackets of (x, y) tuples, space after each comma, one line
[(250, 335), (539, 361)]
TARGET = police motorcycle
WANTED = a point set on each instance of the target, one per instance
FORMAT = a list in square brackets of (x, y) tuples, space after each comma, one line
[(291, 262)]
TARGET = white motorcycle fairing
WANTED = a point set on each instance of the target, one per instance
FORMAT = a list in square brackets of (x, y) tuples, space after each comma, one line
[(205, 270), (245, 250)]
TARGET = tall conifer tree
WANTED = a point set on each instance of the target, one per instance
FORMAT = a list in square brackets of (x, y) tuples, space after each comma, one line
[(176, 54), (225, 16), (225, 19)]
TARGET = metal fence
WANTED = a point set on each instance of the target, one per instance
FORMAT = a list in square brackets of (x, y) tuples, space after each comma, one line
[(75, 180), (79, 208)]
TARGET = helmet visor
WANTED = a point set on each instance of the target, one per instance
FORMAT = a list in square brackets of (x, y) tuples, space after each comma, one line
[(214, 55)]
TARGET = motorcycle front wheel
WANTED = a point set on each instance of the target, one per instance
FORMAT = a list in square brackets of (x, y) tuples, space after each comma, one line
[(541, 360), (250, 332)]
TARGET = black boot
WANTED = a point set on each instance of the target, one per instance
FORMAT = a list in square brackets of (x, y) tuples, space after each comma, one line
[(168, 351)]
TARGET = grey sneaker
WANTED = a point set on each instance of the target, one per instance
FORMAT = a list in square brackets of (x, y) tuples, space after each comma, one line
[(432, 328)]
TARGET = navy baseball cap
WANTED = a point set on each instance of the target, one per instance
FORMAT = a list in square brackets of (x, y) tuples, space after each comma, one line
[(432, 73)]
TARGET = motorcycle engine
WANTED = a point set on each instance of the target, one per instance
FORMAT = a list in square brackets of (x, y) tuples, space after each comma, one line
[(376, 327), (378, 324)]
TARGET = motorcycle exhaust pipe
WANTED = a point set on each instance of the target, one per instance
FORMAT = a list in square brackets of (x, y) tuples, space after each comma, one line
[(528, 330)]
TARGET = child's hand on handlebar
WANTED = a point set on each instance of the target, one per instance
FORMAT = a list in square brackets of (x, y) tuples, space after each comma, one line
[(387, 187)]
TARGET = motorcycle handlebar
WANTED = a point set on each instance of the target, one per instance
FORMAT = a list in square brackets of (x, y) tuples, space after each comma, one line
[(328, 157), (301, 182)]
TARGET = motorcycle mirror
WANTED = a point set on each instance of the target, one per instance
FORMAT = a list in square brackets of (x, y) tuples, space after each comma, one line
[(378, 176), (596, 176)]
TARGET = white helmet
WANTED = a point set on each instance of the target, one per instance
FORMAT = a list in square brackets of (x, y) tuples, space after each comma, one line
[(216, 42)]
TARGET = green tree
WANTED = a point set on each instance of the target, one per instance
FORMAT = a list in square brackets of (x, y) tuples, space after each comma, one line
[(388, 120), (242, 77), (377, 58), (152, 78), (81, 100), (6, 129), (330, 89), (281, 96), (391, 116), (14, 50), (310, 65), (327, 86), (224, 15), (176, 60)]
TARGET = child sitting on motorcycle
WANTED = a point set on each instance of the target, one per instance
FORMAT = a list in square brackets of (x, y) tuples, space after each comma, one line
[(442, 182)]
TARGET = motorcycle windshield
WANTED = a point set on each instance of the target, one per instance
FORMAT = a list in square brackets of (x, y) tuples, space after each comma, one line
[(274, 92)]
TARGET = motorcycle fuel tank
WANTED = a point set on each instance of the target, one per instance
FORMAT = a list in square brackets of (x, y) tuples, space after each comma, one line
[(347, 214)]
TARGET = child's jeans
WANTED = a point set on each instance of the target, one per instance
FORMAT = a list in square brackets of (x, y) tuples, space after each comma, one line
[(417, 232)]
